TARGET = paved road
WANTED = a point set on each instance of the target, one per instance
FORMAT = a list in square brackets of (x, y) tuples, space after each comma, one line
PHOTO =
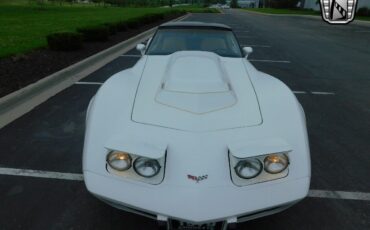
[(309, 55)]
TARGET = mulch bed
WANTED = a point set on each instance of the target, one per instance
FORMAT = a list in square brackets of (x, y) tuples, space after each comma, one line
[(19, 71)]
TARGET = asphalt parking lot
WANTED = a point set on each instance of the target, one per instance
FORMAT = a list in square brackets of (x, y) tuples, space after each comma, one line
[(328, 67)]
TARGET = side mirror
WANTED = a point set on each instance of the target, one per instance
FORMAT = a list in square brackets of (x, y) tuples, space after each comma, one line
[(141, 47), (247, 51)]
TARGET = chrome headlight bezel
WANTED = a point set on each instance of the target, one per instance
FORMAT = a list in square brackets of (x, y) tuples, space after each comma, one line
[(263, 176), (144, 161), (252, 163), (115, 156), (276, 159), (132, 174)]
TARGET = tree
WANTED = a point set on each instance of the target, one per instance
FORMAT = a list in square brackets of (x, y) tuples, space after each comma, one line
[(234, 4)]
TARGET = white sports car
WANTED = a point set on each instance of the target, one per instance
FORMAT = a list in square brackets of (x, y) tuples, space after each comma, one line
[(194, 136)]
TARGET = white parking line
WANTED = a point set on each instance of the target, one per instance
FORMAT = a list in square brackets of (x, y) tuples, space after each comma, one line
[(314, 92), (341, 195), (130, 55), (322, 93), (40, 174), (300, 92), (272, 61), (296, 92), (87, 83)]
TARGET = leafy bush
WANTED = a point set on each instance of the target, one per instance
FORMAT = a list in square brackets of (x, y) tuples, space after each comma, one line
[(95, 33), (73, 40), (121, 26), (179, 12), (133, 23), (64, 41), (150, 18), (363, 11), (288, 4), (112, 27)]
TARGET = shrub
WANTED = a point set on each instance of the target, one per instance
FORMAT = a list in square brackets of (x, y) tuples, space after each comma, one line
[(121, 26), (160, 16), (112, 27), (65, 41), (363, 11), (146, 19), (179, 12), (150, 18), (287, 4), (95, 33), (133, 23)]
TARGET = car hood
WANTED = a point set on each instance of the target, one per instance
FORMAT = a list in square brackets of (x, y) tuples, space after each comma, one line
[(196, 91)]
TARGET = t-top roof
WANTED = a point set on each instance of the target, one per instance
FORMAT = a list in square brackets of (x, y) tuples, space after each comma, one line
[(194, 24)]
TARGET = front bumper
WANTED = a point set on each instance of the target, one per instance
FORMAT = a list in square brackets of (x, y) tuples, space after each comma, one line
[(198, 204)]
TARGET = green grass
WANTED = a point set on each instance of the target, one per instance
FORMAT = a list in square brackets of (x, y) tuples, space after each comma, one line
[(14, 2), (283, 11), (24, 26)]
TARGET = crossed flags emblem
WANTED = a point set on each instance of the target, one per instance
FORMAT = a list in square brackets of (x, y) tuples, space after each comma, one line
[(338, 11)]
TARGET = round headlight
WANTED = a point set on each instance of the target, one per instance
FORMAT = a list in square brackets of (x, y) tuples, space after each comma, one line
[(146, 167), (276, 163), (248, 168), (120, 161)]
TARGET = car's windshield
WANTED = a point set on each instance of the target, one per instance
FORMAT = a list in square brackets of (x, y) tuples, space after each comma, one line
[(169, 40)]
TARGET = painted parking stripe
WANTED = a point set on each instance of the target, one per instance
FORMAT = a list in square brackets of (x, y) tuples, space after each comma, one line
[(41, 174), (87, 83), (322, 93), (271, 61), (314, 92), (296, 92), (341, 195), (300, 92)]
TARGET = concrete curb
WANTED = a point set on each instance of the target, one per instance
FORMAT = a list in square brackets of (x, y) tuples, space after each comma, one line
[(18, 103), (356, 22)]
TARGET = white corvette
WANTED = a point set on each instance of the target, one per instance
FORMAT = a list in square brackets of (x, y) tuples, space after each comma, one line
[(194, 136)]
